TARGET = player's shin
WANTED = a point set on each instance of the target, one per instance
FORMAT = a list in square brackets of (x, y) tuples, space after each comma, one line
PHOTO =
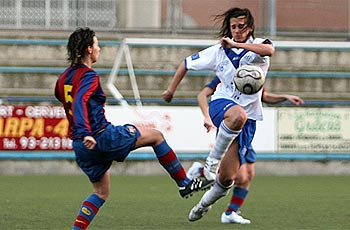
[(224, 138), (214, 194), (87, 212), (168, 159), (237, 199)]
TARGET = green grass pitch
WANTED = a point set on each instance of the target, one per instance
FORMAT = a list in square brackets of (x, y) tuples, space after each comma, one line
[(153, 202)]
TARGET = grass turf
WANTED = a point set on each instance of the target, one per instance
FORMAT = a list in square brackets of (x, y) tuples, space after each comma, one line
[(153, 202)]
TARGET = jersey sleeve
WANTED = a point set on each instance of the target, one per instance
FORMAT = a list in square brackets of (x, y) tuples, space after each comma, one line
[(264, 41), (88, 85), (214, 83), (262, 61), (203, 60)]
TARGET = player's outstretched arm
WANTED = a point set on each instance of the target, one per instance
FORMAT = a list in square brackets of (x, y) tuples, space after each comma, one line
[(178, 76), (202, 99), (272, 98), (294, 99)]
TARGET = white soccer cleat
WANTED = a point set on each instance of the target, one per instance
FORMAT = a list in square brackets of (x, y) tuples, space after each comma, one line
[(198, 211), (195, 170), (211, 168), (233, 218)]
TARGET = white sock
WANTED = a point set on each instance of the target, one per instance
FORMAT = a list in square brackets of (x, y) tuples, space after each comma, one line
[(214, 194), (223, 140)]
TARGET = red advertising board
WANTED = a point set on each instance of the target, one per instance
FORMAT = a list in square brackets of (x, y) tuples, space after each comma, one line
[(33, 128)]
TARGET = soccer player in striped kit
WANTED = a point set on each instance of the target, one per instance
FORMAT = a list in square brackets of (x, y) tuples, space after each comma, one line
[(97, 142), (233, 113)]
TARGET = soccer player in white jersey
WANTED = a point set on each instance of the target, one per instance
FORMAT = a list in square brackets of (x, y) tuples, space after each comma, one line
[(247, 171), (233, 113)]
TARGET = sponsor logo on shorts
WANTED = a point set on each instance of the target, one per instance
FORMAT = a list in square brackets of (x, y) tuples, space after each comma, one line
[(244, 150), (131, 129), (227, 106)]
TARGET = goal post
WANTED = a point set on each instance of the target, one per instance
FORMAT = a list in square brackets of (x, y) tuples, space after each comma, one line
[(124, 51)]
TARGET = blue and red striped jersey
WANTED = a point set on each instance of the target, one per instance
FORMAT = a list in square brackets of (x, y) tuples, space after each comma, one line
[(79, 89)]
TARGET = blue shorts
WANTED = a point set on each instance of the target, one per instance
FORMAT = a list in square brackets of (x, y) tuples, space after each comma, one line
[(113, 144), (217, 110), (245, 138)]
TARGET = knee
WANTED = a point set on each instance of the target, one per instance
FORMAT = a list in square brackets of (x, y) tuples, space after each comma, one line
[(250, 172), (158, 137), (250, 177), (226, 181), (244, 180), (236, 119), (240, 119), (159, 134), (150, 137)]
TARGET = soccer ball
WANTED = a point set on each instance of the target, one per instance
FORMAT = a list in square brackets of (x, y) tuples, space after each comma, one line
[(249, 79)]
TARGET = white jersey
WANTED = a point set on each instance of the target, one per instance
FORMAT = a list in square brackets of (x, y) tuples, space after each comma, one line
[(225, 61)]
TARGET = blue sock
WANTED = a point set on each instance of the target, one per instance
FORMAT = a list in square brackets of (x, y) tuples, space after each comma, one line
[(168, 159), (87, 212), (237, 199)]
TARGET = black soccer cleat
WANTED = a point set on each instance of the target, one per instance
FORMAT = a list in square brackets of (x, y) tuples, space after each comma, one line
[(194, 186)]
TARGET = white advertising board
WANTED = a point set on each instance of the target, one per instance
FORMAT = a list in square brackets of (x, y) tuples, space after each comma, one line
[(183, 126), (314, 130), (283, 129)]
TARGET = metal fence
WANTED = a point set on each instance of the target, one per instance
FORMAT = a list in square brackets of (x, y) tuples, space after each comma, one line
[(273, 17), (57, 14)]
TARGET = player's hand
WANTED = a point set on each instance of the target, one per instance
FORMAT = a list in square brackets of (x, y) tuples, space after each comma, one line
[(89, 142), (227, 42), (208, 124), (295, 100), (167, 95)]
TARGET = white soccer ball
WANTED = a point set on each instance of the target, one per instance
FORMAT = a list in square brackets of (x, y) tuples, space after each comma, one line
[(249, 79)]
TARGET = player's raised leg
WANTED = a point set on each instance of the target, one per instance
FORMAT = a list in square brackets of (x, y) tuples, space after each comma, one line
[(208, 199), (170, 162), (230, 119), (224, 182)]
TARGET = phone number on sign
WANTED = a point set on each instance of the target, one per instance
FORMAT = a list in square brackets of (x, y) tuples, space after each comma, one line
[(43, 143)]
